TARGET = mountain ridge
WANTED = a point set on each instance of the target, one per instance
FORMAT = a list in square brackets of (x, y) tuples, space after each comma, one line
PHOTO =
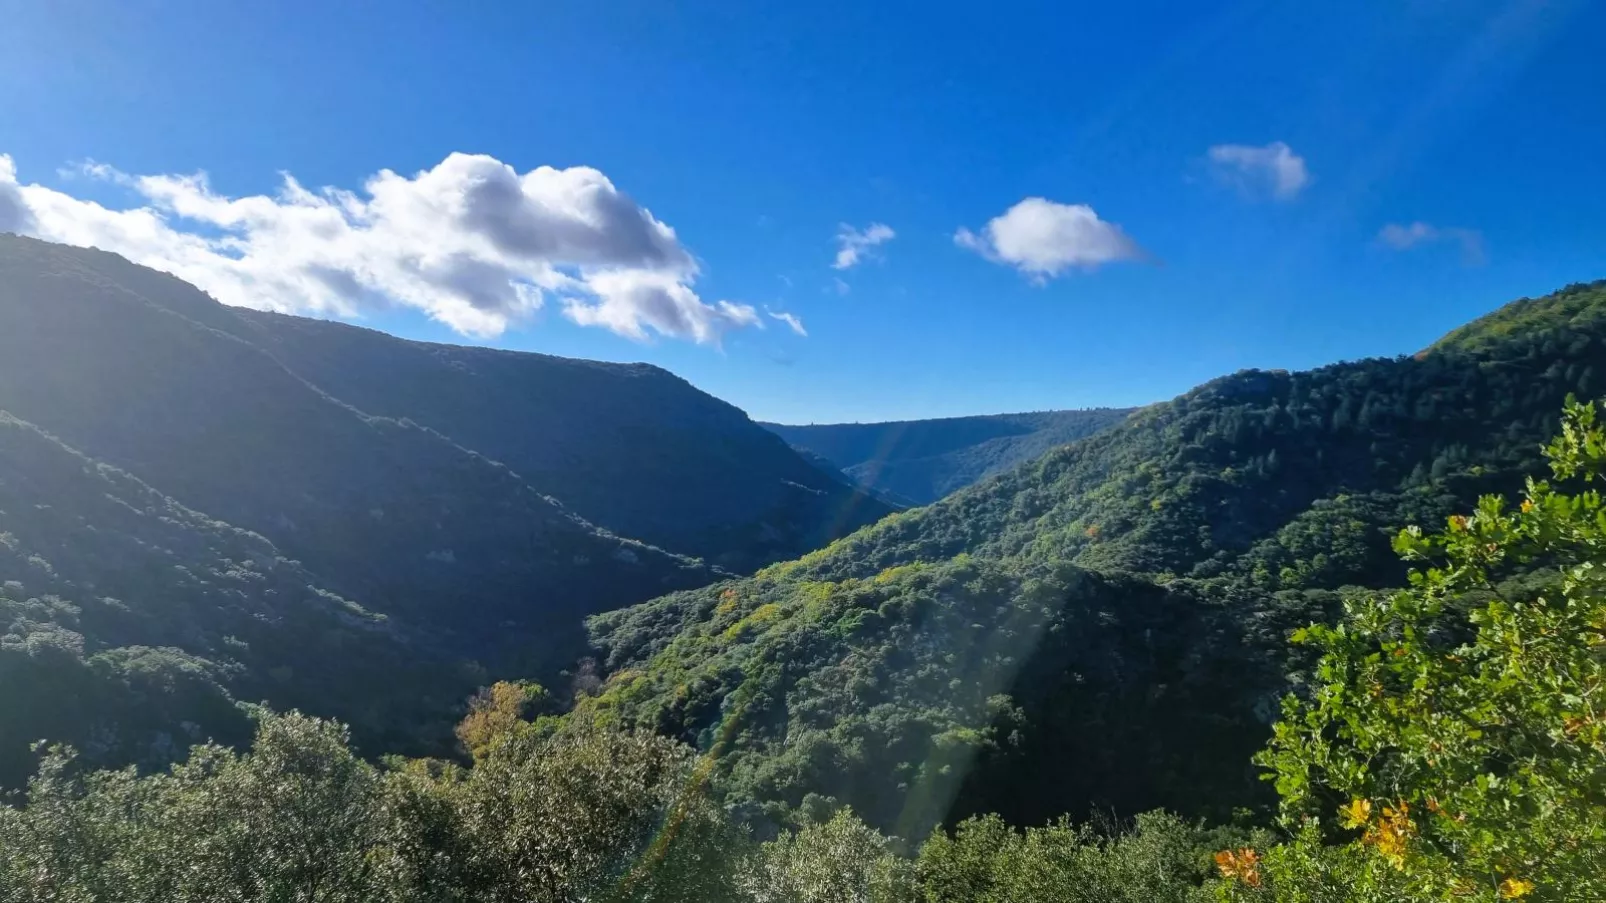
[(1105, 626), (455, 567), (198, 412), (711, 494), (920, 461)]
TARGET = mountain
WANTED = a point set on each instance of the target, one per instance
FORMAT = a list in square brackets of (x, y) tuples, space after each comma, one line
[(1573, 309), (141, 371), (295, 546), (1106, 625), (130, 624), (920, 461), (629, 446)]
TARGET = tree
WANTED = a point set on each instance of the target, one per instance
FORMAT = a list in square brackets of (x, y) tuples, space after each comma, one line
[(841, 861), (588, 813), (1455, 735), (498, 712), (299, 818)]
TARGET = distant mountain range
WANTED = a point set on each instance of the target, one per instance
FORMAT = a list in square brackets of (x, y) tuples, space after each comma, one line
[(916, 462), (479, 502)]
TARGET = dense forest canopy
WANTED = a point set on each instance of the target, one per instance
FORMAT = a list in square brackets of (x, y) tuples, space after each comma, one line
[(1104, 626)]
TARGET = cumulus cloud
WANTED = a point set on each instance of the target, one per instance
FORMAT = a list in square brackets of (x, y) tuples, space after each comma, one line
[(1404, 237), (471, 242), (1274, 169), (1042, 239), (628, 301), (14, 215), (791, 320), (853, 245)]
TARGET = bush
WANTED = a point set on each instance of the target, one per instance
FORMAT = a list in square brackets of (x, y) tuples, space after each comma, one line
[(1454, 742)]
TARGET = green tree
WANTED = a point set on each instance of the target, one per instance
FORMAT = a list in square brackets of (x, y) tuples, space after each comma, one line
[(297, 819), (1455, 735), (591, 814), (841, 861), (1158, 859)]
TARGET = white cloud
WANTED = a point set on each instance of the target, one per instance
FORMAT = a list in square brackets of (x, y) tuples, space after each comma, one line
[(854, 245), (791, 320), (14, 213), (629, 300), (1273, 169), (840, 287), (471, 242), (1402, 238), (1042, 239)]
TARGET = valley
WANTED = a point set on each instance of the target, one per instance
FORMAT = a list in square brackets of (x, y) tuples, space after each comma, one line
[(918, 462), (210, 517)]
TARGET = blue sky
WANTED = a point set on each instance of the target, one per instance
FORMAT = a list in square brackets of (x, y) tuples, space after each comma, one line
[(755, 131)]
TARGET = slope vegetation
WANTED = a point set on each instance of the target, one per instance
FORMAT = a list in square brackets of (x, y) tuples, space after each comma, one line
[(631, 447), (367, 564), (130, 624), (133, 369), (1104, 626)]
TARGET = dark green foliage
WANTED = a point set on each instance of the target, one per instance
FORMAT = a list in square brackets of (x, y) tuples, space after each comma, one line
[(113, 359), (578, 815), (882, 692), (566, 813), (628, 446), (1452, 744), (298, 818), (130, 624), (1159, 859), (920, 461), (1105, 625), (137, 622)]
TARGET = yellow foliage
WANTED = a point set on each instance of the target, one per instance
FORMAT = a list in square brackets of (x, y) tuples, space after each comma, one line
[(764, 614), (1242, 865), (496, 712), (1356, 814), (893, 573), (1392, 833), (1515, 888)]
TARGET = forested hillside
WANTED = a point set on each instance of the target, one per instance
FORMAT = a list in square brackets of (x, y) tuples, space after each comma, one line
[(905, 714), (1448, 750), (346, 562), (631, 447), (130, 624), (1106, 625), (920, 461), (386, 511)]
